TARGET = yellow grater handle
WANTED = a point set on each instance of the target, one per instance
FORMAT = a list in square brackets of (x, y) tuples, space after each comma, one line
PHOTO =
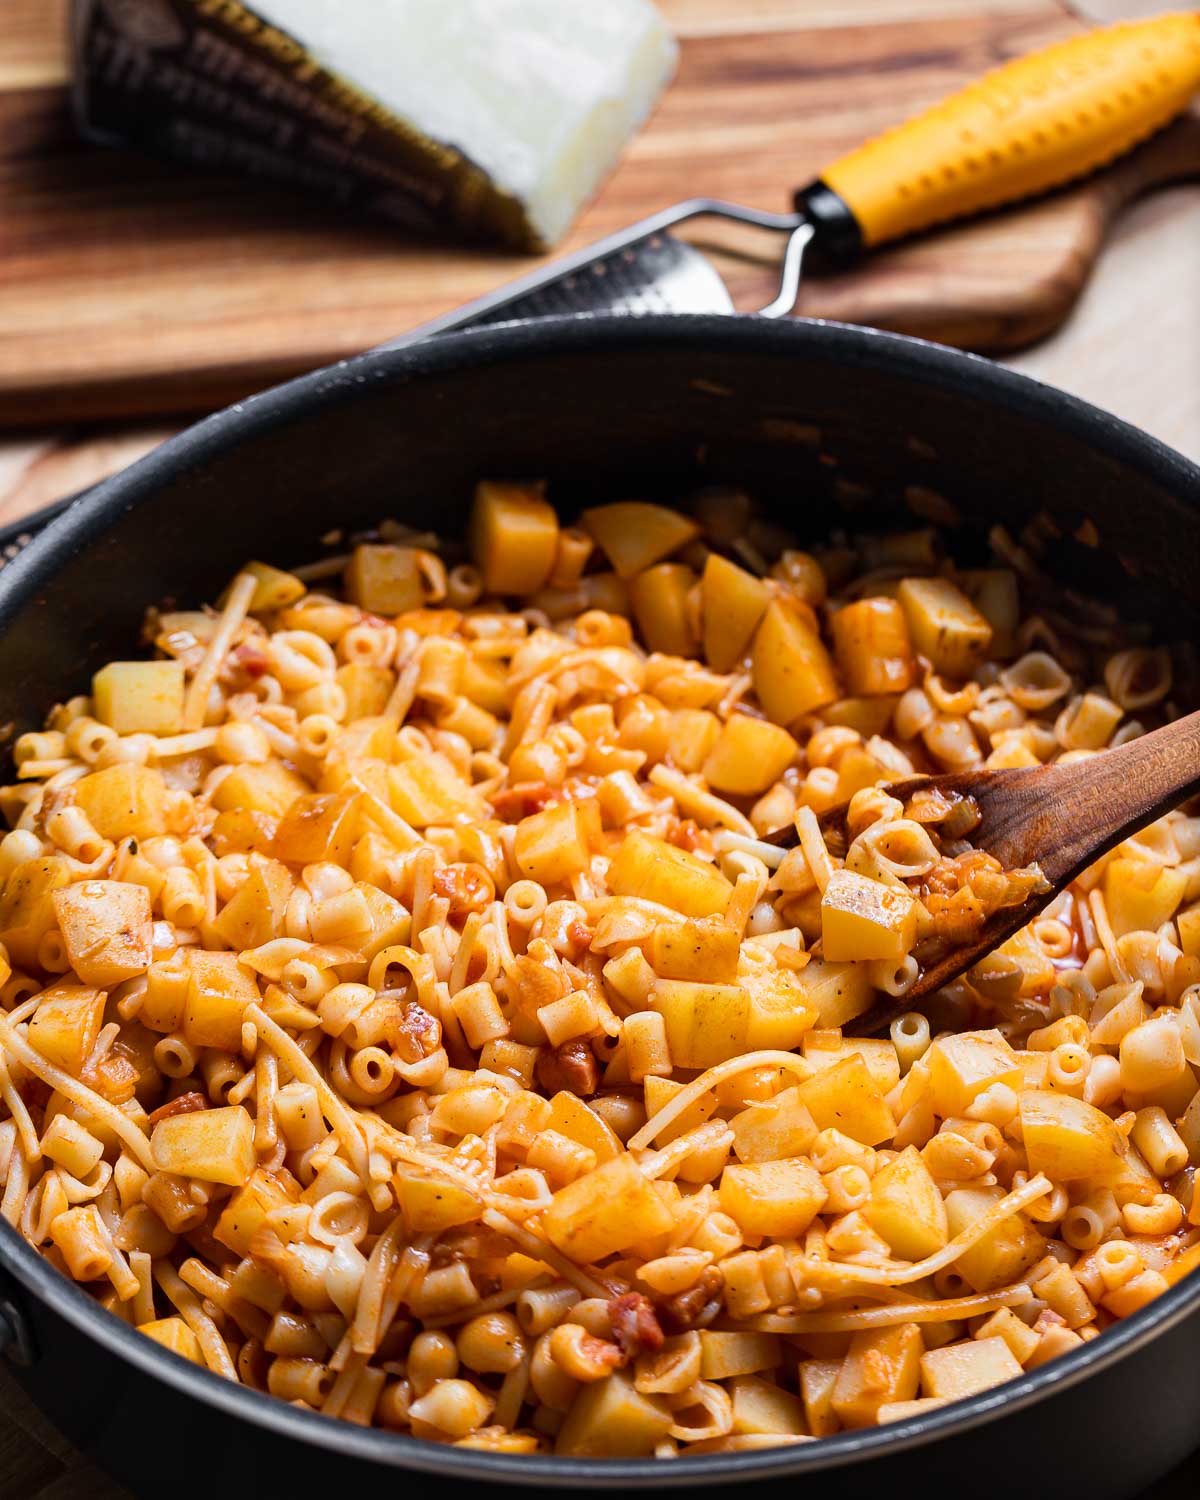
[(1030, 125)]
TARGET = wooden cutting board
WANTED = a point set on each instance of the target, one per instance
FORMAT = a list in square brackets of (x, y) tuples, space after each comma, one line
[(130, 286)]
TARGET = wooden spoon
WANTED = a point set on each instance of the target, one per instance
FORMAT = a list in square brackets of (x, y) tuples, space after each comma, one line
[(1060, 817)]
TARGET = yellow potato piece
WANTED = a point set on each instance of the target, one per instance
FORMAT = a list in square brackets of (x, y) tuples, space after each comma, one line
[(782, 1010), (881, 1367), (846, 1098), (838, 991), (959, 1370), (610, 1416), (732, 602), (431, 1206), (512, 537), (777, 1198), (657, 871), (749, 756), (604, 1211), (793, 672), (1066, 1138), (659, 599), (66, 1023), (696, 949), (864, 919), (944, 625), (106, 925), (905, 1207), (127, 801), (270, 788), (273, 589), (962, 1066), (140, 697), (705, 1023), (212, 1145), (174, 1334), (1000, 1256), (385, 580), (552, 845), (872, 647), (635, 535)]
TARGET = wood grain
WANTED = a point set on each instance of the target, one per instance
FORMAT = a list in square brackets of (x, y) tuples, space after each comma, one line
[(131, 286)]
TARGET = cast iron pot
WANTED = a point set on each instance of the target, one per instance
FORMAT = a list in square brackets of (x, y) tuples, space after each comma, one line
[(813, 417)]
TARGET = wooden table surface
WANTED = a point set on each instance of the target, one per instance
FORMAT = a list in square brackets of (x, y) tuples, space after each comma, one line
[(1132, 346)]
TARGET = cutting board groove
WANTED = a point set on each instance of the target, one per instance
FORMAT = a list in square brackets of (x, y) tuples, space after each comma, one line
[(130, 286)]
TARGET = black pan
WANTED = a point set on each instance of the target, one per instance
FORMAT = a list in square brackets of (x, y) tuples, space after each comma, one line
[(813, 417)]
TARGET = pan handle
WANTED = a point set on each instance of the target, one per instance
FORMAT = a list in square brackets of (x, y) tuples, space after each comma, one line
[(1031, 125)]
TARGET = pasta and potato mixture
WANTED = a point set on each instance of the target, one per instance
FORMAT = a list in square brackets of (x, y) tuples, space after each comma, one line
[(407, 1017)]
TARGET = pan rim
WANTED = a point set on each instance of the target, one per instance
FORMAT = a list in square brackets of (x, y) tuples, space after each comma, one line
[(493, 346)]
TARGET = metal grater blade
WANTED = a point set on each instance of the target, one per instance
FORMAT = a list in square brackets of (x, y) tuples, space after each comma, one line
[(656, 274)]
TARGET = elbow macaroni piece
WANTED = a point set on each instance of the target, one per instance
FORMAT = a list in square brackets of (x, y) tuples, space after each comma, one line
[(406, 949)]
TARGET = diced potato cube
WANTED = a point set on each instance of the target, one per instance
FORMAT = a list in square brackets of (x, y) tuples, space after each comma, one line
[(270, 788), (705, 1023), (106, 925), (140, 697), (750, 755), (958, 1370), (723, 1355), (246, 1212), (654, 870), (572, 1117), (846, 1098), (1019, 1337), (1037, 968), (219, 990), (175, 1335), (213, 1145), (994, 593), (871, 644), (65, 1025), (782, 1009), (692, 734), (776, 1198), (1141, 896), (317, 827), (944, 625), (761, 1406), (864, 919), (254, 914), (905, 1207), (611, 1416), (430, 1205), (427, 789), (552, 845), (962, 1066), (732, 602), (27, 908), (124, 801), (634, 535), (839, 992), (695, 949), (882, 1366), (818, 1377), (512, 537), (367, 689), (793, 672), (659, 598), (773, 1129), (604, 1211), (824, 1048), (385, 580), (1066, 1138), (1003, 1253), (242, 831)]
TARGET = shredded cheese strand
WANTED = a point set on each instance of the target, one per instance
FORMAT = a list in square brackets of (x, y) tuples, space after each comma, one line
[(196, 703), (850, 1320)]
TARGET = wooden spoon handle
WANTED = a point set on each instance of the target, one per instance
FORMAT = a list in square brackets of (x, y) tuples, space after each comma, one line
[(1064, 817)]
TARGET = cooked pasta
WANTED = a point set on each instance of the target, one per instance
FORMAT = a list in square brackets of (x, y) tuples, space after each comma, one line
[(403, 1012)]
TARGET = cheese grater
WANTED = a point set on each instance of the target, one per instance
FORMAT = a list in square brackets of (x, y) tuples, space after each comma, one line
[(642, 269), (1033, 124)]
